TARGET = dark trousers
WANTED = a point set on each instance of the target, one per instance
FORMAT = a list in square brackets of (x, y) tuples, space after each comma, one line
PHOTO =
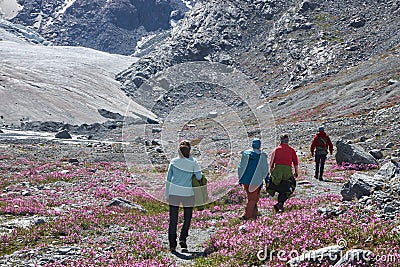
[(319, 164), (173, 218), (283, 190)]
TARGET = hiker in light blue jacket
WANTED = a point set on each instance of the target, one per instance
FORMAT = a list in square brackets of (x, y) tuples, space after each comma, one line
[(252, 170), (179, 191)]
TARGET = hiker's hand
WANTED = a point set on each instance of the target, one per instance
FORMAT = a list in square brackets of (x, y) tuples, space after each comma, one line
[(312, 154), (296, 175)]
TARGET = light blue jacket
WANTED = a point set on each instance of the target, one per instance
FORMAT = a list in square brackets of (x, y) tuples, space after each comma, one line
[(253, 168), (179, 177)]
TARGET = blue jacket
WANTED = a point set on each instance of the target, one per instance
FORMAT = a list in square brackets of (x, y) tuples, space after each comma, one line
[(253, 168), (179, 177)]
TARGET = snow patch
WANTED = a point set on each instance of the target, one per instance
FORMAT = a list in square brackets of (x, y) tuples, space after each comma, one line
[(9, 8), (64, 7), (188, 3)]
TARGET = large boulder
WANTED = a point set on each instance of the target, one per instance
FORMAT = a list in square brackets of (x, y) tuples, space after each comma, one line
[(353, 153), (63, 135), (361, 185)]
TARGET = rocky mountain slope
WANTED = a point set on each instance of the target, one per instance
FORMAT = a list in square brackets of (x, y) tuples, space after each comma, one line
[(281, 44), (111, 26), (331, 62)]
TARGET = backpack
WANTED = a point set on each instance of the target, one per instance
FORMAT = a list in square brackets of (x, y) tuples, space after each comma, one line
[(322, 145)]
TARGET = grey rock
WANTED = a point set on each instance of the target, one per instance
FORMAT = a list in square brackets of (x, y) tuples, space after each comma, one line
[(26, 193), (307, 5), (212, 114), (111, 115), (63, 135), (156, 142), (156, 130), (355, 257), (73, 161), (39, 221), (360, 185), (353, 153), (390, 208), (159, 149), (389, 145), (388, 171), (376, 153), (331, 254), (357, 22), (392, 81), (125, 203)]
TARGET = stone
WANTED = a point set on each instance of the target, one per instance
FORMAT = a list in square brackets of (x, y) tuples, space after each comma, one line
[(392, 81), (331, 254), (388, 171), (63, 135), (156, 130), (155, 142), (110, 115), (212, 114), (126, 203), (73, 161), (389, 145), (355, 257), (26, 193), (357, 22), (307, 5), (159, 149), (358, 186), (352, 153), (376, 153)]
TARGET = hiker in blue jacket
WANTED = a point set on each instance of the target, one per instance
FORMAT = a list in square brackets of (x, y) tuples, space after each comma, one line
[(253, 169), (179, 191)]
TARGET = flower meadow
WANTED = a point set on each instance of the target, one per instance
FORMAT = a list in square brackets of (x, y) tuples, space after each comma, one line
[(73, 201)]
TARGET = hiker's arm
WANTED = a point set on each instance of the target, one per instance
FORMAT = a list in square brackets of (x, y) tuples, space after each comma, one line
[(330, 145), (296, 171), (197, 171), (272, 162), (168, 183)]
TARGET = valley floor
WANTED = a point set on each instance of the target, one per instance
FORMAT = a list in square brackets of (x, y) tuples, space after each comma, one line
[(61, 206)]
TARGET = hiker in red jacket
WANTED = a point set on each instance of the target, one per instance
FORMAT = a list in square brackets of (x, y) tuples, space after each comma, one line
[(320, 144), (282, 179)]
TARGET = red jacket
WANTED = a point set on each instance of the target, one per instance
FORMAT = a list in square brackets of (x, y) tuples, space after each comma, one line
[(321, 140), (284, 154)]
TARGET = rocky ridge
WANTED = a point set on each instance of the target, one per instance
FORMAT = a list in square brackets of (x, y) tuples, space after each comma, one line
[(111, 26)]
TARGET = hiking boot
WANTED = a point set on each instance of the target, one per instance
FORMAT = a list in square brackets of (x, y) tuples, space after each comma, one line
[(172, 249), (183, 246), (278, 207), (320, 178), (316, 176)]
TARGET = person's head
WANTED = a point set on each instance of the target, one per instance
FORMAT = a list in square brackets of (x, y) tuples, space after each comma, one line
[(256, 143), (284, 138), (184, 148), (321, 128)]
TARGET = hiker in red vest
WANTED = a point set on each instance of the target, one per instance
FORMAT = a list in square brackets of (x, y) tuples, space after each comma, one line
[(320, 144)]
